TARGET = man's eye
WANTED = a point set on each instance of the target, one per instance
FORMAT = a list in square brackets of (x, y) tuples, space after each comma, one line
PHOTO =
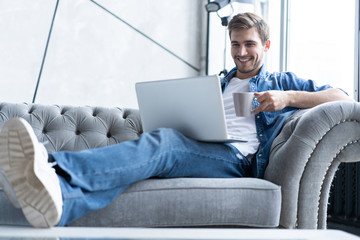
[(250, 44)]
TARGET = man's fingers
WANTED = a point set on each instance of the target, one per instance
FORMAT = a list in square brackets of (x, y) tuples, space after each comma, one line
[(261, 97), (260, 108)]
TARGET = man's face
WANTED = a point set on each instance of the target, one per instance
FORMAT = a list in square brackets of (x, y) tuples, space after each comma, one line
[(247, 52)]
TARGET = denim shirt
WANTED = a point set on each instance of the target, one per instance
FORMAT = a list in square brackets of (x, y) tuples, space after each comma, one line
[(269, 124)]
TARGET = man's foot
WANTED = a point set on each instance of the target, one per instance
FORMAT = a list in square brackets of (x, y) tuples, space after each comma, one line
[(26, 176)]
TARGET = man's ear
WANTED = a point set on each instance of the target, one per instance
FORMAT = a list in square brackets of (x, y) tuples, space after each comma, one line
[(267, 46)]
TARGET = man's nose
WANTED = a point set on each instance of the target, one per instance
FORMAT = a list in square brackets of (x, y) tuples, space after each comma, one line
[(242, 51)]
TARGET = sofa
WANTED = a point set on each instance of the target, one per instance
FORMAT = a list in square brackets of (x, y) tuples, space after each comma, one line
[(293, 194)]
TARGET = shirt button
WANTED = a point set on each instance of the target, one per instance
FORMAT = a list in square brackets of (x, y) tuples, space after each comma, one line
[(260, 135), (260, 155), (257, 117)]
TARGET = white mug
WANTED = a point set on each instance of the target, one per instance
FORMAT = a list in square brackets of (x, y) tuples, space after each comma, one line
[(243, 103)]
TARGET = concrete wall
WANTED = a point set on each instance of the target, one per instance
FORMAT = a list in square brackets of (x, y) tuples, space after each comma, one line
[(93, 58)]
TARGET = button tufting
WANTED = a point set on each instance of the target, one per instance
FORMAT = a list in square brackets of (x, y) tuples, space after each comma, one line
[(108, 135), (77, 132)]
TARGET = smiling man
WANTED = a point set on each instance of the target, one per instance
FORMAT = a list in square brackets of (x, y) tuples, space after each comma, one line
[(58, 188), (278, 95)]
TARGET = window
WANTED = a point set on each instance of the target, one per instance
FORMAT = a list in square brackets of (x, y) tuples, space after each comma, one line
[(313, 39), (321, 42)]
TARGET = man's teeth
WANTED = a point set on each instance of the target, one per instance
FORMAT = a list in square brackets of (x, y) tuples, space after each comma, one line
[(244, 60)]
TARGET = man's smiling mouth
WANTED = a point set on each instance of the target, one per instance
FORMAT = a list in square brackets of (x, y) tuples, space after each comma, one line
[(244, 59)]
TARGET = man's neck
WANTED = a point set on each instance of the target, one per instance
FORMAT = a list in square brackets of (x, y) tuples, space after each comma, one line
[(247, 75)]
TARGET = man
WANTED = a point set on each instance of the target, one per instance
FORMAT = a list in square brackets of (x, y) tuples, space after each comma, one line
[(75, 183)]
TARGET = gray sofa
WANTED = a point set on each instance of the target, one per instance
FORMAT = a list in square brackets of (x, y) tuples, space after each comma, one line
[(293, 194)]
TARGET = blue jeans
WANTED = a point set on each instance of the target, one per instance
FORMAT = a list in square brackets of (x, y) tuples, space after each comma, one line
[(95, 177)]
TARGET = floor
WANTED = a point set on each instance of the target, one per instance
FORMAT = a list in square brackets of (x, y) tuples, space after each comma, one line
[(350, 229), (171, 233)]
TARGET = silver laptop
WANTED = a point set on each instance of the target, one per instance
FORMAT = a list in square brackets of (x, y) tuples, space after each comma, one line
[(194, 106)]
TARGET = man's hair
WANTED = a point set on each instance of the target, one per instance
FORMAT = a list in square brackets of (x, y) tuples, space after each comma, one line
[(249, 20)]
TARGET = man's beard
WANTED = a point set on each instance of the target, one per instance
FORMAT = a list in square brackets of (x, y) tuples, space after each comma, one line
[(250, 69)]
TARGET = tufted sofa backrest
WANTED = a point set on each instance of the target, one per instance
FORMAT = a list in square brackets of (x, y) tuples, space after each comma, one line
[(76, 128)]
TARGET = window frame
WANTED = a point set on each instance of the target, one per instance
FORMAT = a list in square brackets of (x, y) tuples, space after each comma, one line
[(357, 52)]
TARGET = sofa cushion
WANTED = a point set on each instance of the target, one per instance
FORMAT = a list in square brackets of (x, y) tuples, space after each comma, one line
[(192, 202), (180, 202)]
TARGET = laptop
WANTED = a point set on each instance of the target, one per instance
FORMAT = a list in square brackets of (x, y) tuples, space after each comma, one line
[(194, 106)]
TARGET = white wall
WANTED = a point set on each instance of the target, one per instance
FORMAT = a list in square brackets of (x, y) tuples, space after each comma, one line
[(93, 58)]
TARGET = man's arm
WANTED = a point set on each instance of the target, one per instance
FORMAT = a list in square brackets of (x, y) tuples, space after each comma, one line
[(277, 100)]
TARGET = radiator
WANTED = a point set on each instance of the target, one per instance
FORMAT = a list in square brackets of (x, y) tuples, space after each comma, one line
[(344, 200)]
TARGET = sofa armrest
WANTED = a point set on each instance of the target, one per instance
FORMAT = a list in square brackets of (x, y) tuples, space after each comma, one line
[(305, 156)]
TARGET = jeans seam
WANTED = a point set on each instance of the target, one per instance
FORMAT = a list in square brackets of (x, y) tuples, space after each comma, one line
[(116, 171)]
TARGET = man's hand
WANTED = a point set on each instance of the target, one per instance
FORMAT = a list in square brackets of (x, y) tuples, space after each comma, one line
[(277, 100), (271, 101)]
